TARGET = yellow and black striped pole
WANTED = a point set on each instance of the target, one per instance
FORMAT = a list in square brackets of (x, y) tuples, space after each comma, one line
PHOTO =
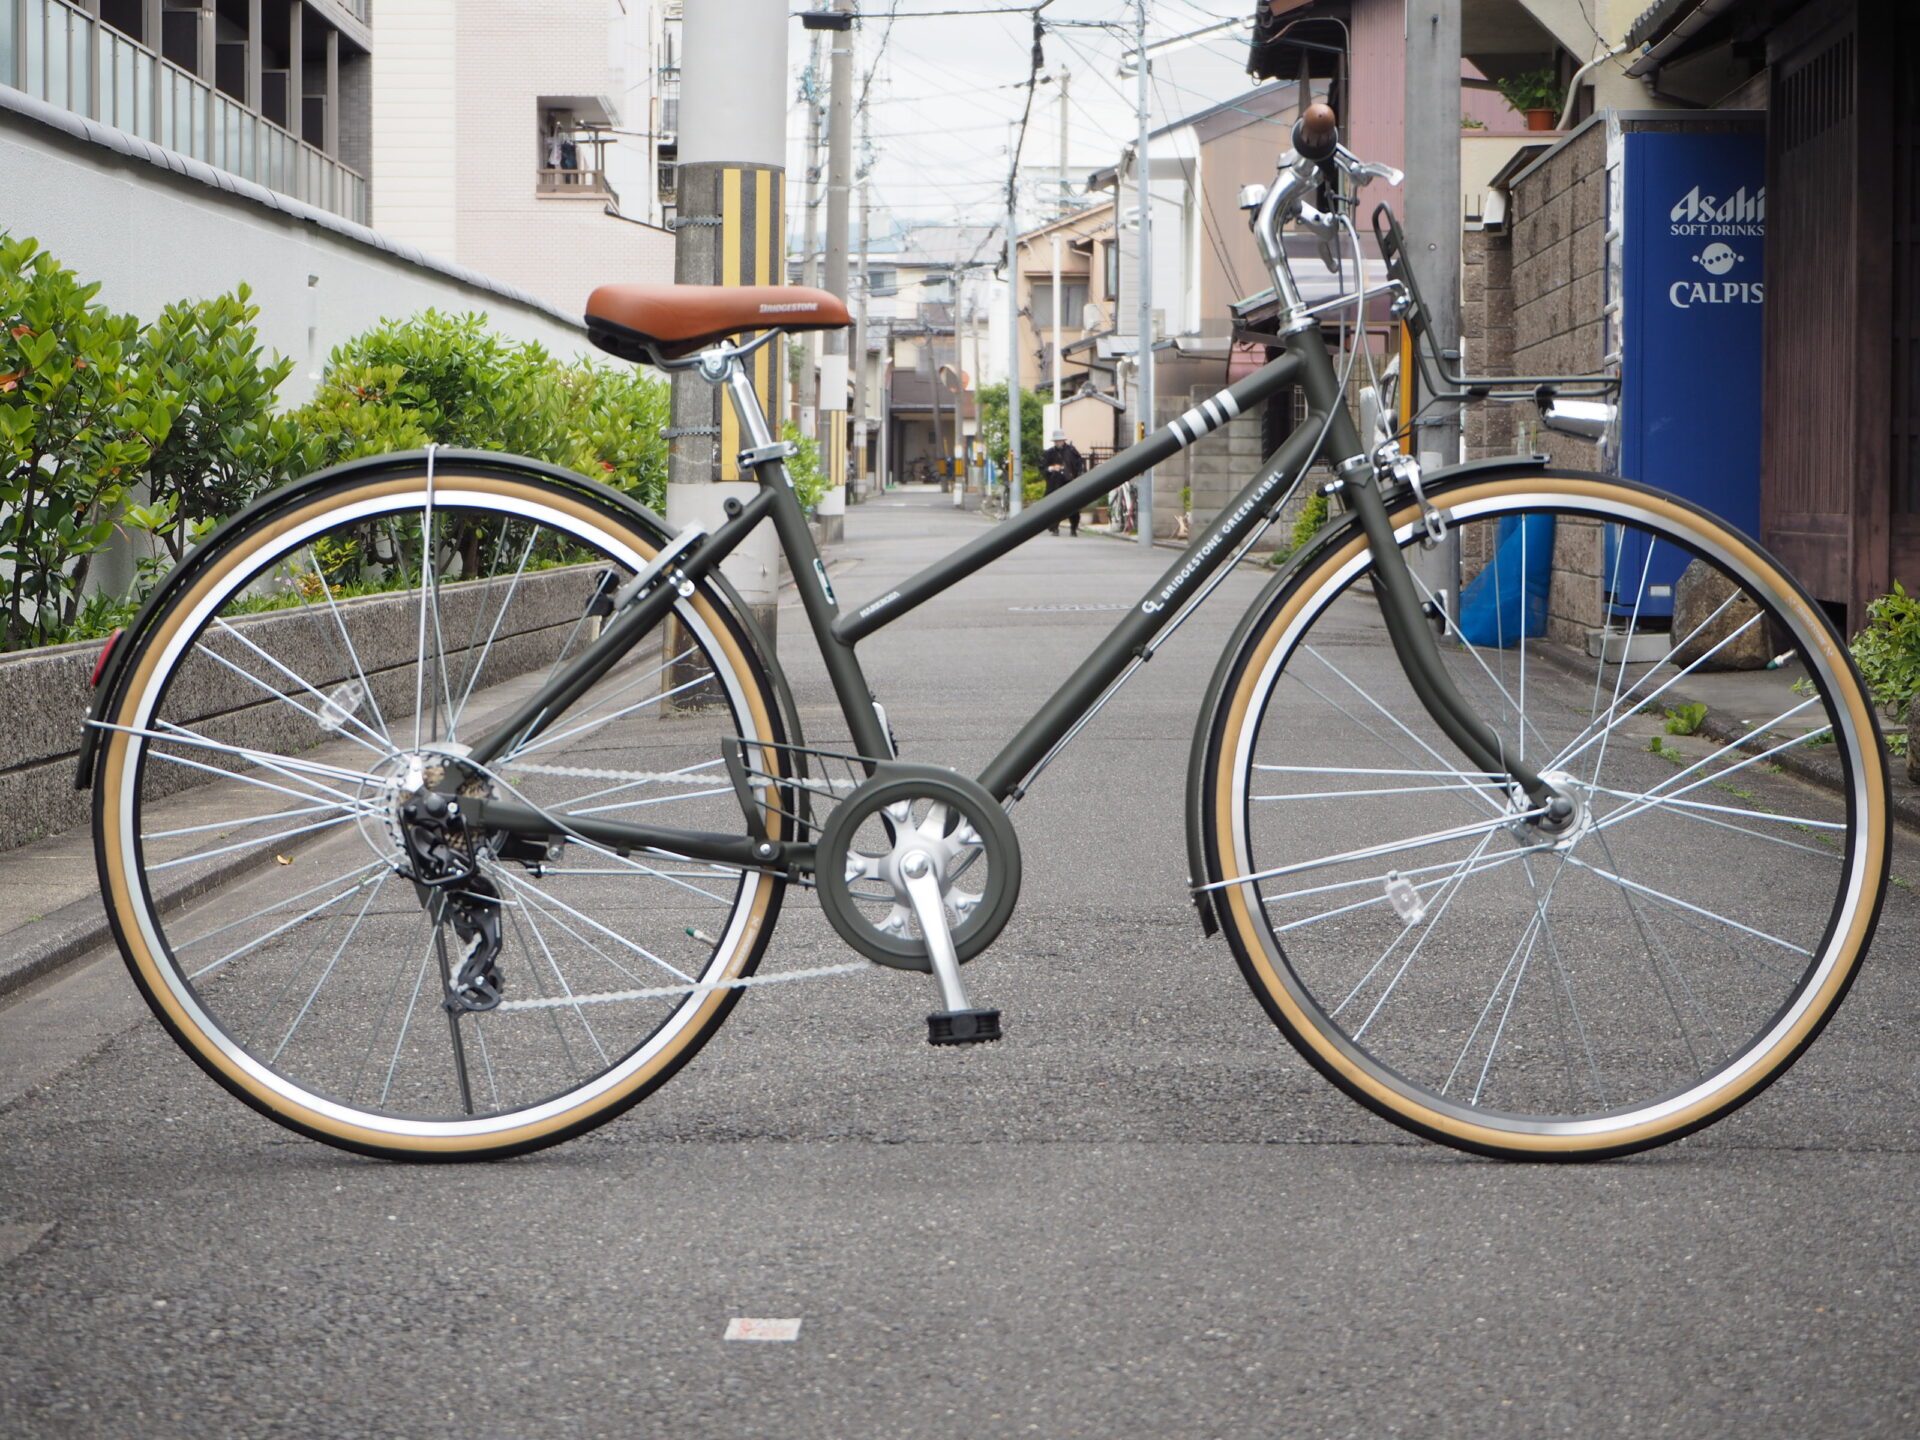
[(729, 231)]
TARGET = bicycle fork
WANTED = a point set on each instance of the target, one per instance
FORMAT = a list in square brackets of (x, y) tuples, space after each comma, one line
[(1359, 480)]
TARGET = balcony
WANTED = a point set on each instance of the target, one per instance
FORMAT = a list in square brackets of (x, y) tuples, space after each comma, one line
[(63, 56), (576, 185)]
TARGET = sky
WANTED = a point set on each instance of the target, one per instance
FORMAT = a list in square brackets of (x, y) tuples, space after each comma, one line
[(946, 91)]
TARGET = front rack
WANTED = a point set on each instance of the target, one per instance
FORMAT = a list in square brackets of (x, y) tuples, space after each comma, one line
[(1443, 383)]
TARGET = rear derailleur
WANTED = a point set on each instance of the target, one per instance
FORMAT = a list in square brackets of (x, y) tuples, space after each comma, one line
[(441, 864)]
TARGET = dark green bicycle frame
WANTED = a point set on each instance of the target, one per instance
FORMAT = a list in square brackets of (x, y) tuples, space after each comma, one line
[(1328, 432)]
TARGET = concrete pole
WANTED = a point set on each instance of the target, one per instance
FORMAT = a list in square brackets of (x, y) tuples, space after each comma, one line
[(1064, 201), (1143, 361), (832, 511), (808, 397), (861, 482), (962, 455), (1433, 193), (1433, 233), (1056, 366), (730, 232), (1016, 481)]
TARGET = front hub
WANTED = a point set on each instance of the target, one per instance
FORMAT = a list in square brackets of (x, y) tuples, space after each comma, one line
[(1568, 815)]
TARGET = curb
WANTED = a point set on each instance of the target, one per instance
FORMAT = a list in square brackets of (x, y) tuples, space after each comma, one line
[(1815, 769)]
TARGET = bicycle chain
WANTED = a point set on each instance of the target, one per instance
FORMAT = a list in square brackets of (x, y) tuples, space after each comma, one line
[(581, 772), (610, 997)]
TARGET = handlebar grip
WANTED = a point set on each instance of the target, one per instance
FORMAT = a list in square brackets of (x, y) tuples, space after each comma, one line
[(1316, 134)]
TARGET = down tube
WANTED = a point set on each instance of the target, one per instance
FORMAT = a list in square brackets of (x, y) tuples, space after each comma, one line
[(1268, 488)]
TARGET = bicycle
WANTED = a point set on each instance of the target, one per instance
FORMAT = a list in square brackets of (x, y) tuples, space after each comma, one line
[(1122, 508), (551, 771)]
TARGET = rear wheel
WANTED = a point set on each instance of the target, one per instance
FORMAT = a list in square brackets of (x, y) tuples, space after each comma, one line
[(1430, 943), (276, 741)]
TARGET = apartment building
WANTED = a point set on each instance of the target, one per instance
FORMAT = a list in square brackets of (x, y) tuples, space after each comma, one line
[(497, 130), (271, 91)]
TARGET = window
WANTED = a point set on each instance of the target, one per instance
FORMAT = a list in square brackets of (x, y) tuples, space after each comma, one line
[(1073, 303)]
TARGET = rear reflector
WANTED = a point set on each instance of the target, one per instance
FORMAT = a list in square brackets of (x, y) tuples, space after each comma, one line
[(105, 650)]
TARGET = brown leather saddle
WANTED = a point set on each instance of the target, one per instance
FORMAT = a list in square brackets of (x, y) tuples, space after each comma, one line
[(645, 322)]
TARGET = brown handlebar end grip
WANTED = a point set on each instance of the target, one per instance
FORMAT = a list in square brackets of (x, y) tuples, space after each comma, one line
[(1316, 133)]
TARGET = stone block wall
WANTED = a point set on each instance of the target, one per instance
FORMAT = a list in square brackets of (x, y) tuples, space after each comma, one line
[(46, 692), (1533, 302)]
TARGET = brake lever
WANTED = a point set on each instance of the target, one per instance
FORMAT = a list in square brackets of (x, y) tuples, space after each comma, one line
[(1326, 229), (1364, 172)]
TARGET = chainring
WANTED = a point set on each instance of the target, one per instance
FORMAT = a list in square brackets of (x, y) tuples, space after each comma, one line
[(904, 809)]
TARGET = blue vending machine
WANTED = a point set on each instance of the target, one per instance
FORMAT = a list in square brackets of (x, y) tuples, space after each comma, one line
[(1693, 240)]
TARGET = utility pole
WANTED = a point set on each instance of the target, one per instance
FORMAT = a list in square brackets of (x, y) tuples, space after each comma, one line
[(810, 242), (861, 482), (962, 457), (1143, 361), (729, 231), (1064, 202), (832, 510), (1016, 474), (1433, 195), (1056, 367)]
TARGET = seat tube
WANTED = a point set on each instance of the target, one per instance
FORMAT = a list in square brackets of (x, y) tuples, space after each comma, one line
[(817, 599)]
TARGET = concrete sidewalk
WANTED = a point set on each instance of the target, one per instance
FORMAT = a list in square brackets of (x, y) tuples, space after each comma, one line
[(51, 911)]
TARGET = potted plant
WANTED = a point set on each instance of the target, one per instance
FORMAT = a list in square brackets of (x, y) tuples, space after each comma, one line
[(1535, 93)]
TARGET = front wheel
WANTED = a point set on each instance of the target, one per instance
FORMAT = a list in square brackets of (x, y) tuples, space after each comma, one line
[(1433, 943), (362, 965)]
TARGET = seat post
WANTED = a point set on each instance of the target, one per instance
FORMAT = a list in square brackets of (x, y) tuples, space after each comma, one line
[(746, 400)]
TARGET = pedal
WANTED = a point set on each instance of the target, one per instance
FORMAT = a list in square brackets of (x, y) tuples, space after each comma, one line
[(962, 1027)]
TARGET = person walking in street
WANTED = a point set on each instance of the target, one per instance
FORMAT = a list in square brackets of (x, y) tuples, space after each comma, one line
[(1060, 463)]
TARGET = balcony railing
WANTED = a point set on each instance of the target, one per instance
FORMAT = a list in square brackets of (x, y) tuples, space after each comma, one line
[(65, 57), (581, 184)]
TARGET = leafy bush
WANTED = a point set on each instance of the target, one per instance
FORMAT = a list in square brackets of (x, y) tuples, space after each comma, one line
[(79, 418), (448, 380), (619, 413), (225, 444), (1887, 650), (804, 468), (92, 406), (464, 385)]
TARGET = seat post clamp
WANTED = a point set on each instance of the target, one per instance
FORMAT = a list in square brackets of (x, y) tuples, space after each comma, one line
[(758, 455)]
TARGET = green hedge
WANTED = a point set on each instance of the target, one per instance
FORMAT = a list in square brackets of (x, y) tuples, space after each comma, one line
[(164, 429)]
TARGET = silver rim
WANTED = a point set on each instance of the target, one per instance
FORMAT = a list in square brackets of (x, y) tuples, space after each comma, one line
[(1663, 951), (316, 974)]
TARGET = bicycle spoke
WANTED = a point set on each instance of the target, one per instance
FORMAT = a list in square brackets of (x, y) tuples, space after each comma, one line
[(346, 638), (327, 972), (248, 844), (376, 743), (534, 894)]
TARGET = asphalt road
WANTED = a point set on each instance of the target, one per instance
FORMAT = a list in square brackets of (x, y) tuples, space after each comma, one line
[(1139, 1215)]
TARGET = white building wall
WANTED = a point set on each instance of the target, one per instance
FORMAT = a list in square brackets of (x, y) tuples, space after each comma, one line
[(416, 90), (315, 286), (560, 247)]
